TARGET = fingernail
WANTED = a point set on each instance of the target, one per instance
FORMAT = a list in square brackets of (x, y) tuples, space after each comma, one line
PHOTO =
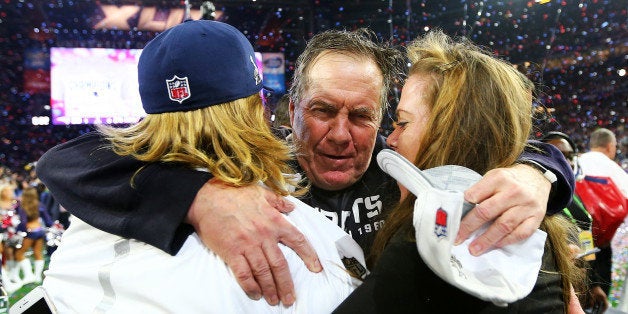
[(288, 299), (254, 296), (287, 204), (475, 249), (272, 300), (317, 266), (458, 240)]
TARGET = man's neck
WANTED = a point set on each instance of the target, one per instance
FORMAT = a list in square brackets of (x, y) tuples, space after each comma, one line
[(601, 150)]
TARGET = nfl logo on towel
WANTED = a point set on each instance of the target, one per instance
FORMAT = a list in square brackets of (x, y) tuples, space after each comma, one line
[(440, 226), (178, 88)]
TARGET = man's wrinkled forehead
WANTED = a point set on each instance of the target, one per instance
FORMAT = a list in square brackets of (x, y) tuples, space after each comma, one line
[(340, 56), (314, 76)]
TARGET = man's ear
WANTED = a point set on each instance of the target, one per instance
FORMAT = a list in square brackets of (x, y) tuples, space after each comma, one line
[(608, 149)]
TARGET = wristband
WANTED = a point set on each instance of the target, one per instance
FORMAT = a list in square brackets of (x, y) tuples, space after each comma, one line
[(548, 174)]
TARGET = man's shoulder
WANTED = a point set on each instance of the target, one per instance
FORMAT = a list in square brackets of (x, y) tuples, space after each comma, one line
[(61, 153), (592, 155), (594, 159), (87, 141), (598, 164)]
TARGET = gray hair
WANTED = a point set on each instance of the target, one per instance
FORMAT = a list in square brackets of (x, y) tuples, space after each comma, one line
[(601, 138), (361, 42)]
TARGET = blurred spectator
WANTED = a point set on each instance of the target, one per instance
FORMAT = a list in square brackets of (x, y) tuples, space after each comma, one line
[(208, 11), (578, 214), (599, 161), (33, 220)]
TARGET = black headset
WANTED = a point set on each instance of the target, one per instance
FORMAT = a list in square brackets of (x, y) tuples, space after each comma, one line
[(555, 134)]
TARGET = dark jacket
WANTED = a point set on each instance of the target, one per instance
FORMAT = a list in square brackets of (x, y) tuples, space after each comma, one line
[(402, 283)]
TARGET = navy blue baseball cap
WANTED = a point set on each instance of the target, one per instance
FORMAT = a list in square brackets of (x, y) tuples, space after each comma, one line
[(194, 65)]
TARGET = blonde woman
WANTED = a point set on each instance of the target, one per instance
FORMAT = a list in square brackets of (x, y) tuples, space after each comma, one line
[(200, 88), (459, 106), (7, 197)]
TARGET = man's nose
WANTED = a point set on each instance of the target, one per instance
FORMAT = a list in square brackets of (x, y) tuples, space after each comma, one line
[(339, 130)]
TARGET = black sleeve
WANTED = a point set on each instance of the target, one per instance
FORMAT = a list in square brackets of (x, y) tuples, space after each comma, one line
[(94, 184), (402, 283), (593, 278), (552, 159)]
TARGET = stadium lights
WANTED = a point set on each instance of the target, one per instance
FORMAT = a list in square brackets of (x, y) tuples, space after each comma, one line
[(41, 120)]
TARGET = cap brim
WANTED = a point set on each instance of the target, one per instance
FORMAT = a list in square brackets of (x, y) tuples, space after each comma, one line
[(449, 177), (403, 171)]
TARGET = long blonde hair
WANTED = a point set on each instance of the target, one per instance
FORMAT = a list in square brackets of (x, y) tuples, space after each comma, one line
[(480, 118), (233, 141), (30, 203)]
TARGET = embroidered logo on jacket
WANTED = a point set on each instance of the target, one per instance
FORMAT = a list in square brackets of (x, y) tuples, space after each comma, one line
[(354, 267)]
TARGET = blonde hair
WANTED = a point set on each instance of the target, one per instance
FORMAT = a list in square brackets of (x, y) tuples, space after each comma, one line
[(233, 141), (558, 230), (7, 186), (476, 100), (480, 118), (3, 187)]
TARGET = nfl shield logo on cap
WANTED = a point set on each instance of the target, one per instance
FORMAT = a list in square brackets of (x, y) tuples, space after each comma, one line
[(440, 226), (178, 88)]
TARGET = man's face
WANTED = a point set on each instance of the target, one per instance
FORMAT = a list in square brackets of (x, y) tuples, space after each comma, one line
[(612, 149), (564, 148), (335, 123)]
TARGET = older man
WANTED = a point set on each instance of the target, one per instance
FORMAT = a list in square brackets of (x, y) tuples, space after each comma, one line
[(600, 161), (337, 102)]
